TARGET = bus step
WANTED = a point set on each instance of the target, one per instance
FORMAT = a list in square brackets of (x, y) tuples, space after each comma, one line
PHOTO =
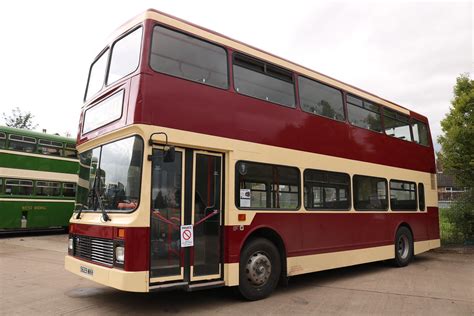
[(168, 286), (205, 285)]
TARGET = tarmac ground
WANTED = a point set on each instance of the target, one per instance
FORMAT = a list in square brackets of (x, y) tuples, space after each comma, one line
[(33, 281)]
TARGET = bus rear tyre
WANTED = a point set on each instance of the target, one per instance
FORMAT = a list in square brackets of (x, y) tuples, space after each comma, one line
[(259, 269), (403, 247)]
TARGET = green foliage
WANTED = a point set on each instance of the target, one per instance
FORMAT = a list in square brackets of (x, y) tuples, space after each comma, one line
[(457, 222), (457, 153), (18, 119)]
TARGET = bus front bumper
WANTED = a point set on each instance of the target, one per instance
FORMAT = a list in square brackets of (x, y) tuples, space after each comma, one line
[(136, 281)]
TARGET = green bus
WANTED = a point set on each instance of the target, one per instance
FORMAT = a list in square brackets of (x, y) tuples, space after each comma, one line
[(38, 180)]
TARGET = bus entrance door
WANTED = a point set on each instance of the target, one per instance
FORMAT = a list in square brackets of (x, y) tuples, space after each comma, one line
[(187, 191)]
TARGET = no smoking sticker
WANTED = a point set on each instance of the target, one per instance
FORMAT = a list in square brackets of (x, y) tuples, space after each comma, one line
[(187, 236)]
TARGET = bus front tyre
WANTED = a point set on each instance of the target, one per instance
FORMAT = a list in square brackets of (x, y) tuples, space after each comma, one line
[(403, 247), (259, 269)]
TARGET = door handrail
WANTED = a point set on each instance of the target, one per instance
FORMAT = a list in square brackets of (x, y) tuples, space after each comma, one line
[(206, 217), (163, 219)]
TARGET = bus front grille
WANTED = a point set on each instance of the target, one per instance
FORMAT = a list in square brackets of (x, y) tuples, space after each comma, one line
[(94, 249)]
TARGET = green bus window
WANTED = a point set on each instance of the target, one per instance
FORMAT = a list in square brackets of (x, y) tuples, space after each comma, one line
[(18, 187), (265, 186), (363, 114), (1, 186), (69, 189), (402, 195), (320, 99), (48, 147), (396, 124), (70, 151), (22, 143), (370, 193), (326, 190), (3, 140), (47, 188)]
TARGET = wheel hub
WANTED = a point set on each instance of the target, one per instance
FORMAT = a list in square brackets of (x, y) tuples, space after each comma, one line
[(258, 268), (403, 247)]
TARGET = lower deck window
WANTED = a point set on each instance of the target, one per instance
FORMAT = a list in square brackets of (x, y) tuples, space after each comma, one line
[(265, 186), (402, 195), (326, 190), (370, 193)]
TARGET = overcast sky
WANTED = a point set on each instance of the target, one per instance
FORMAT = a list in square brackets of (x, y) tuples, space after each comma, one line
[(407, 52)]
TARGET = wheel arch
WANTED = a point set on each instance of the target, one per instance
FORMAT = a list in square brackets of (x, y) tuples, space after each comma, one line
[(404, 224), (273, 236)]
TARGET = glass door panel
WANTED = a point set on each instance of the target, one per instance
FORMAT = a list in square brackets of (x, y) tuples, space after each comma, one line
[(167, 202), (206, 216)]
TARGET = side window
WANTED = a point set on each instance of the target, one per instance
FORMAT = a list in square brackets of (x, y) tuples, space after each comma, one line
[(420, 132), (47, 188), (421, 196), (184, 56), (325, 190), (1, 186), (97, 75), (125, 56), (22, 143), (363, 114), (265, 186), (48, 147), (370, 193), (396, 124), (319, 99), (402, 195), (70, 150), (264, 81), (69, 189), (3, 140), (18, 187)]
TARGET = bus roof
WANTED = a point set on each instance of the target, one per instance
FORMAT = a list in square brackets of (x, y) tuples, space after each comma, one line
[(166, 19), (24, 132)]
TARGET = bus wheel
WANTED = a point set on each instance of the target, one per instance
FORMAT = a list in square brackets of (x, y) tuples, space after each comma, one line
[(403, 247), (259, 269)]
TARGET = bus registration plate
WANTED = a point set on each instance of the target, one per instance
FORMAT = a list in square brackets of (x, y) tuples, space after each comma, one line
[(87, 271)]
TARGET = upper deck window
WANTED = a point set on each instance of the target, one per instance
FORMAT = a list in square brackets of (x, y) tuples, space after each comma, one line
[(363, 113), (264, 81), (3, 140), (125, 56), (97, 74), (187, 57), (22, 143), (396, 124), (320, 99), (420, 132)]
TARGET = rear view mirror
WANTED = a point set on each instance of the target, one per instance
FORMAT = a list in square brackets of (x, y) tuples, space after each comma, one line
[(169, 154)]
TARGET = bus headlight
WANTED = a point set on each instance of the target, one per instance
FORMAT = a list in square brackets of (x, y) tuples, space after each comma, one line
[(120, 254)]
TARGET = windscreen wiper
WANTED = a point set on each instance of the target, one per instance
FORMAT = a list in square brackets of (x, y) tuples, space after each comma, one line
[(105, 216)]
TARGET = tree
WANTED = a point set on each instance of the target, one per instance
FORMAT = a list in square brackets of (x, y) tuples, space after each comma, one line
[(19, 119), (457, 142)]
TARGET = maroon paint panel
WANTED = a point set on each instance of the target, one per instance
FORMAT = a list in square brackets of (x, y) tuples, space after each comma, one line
[(106, 232), (315, 233), (137, 249)]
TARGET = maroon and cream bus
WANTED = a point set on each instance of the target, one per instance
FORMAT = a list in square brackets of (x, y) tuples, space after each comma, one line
[(206, 162)]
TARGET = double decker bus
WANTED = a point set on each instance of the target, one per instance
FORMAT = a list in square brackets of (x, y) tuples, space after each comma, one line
[(38, 177), (206, 162)]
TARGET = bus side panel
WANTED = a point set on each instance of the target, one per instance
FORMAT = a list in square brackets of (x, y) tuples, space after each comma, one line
[(10, 215), (314, 233)]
